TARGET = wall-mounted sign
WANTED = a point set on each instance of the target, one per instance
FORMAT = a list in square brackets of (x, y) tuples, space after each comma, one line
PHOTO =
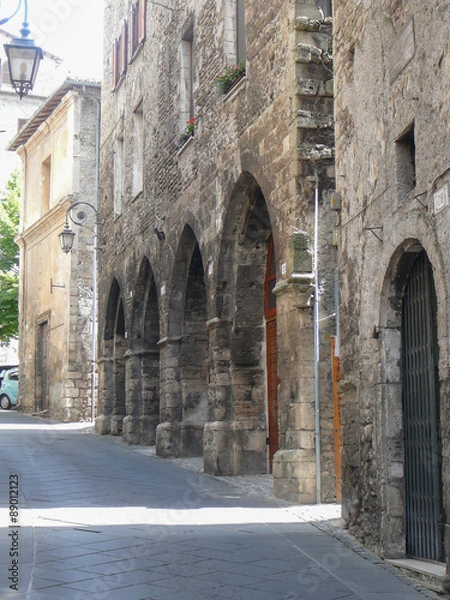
[(402, 50), (440, 197)]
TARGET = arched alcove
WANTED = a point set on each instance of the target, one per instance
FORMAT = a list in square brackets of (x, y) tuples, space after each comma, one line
[(235, 438), (142, 362)]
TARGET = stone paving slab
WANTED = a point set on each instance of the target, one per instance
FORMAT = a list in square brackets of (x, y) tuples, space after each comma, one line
[(101, 520)]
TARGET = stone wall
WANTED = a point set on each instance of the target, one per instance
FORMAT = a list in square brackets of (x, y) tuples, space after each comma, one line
[(391, 71), (181, 283), (56, 296)]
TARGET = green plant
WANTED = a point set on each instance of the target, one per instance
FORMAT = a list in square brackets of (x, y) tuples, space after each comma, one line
[(230, 74), (188, 132), (9, 260)]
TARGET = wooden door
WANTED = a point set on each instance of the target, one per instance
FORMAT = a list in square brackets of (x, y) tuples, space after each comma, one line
[(270, 310), (42, 401)]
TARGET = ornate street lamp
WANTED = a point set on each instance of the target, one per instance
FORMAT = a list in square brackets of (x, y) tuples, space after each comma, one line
[(23, 55), (66, 238), (79, 217)]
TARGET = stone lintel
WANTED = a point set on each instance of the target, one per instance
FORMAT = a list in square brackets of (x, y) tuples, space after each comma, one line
[(315, 152), (139, 353), (304, 23), (165, 341), (315, 87), (306, 54)]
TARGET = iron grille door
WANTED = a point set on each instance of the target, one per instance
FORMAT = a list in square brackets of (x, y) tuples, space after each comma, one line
[(423, 487)]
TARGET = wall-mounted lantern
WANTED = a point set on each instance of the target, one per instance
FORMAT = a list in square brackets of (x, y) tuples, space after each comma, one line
[(23, 55)]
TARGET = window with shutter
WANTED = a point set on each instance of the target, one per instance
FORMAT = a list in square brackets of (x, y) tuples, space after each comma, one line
[(137, 25), (119, 58)]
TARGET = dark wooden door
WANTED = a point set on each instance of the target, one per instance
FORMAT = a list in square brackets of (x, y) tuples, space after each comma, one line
[(42, 401), (270, 310)]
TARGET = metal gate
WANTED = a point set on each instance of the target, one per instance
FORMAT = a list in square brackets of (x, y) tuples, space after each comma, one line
[(421, 415)]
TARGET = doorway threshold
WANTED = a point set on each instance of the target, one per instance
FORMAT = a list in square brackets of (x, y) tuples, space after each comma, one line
[(430, 574)]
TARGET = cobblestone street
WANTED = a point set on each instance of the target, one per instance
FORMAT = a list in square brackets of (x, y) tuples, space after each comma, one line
[(100, 520)]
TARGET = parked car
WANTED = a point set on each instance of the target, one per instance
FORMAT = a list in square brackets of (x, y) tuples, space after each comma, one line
[(9, 388)]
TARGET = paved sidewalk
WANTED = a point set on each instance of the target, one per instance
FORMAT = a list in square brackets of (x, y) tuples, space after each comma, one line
[(104, 521)]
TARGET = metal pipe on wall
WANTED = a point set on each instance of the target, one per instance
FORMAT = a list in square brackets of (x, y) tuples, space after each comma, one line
[(317, 345)]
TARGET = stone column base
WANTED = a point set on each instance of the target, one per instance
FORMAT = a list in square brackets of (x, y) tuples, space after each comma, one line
[(216, 449), (191, 439), (250, 448), (147, 430), (103, 425), (117, 424), (167, 439), (294, 476), (131, 430), (235, 448)]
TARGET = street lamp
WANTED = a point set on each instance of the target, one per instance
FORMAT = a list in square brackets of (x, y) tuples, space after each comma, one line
[(79, 217), (23, 55), (83, 214), (66, 238)]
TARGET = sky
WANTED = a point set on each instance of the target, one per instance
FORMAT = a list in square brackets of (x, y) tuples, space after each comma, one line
[(71, 29)]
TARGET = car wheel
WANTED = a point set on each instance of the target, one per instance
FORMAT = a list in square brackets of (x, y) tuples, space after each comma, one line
[(5, 402)]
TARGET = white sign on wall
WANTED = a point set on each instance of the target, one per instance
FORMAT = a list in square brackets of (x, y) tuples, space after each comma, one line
[(440, 198)]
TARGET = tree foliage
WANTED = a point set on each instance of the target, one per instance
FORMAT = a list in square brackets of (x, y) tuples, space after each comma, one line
[(9, 261)]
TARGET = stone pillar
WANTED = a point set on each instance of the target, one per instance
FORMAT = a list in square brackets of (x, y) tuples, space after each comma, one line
[(294, 465), (218, 435), (150, 382), (217, 448), (131, 423), (105, 396), (168, 431), (119, 378)]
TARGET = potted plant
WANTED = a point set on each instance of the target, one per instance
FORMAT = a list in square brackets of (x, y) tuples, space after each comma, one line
[(230, 75), (188, 132)]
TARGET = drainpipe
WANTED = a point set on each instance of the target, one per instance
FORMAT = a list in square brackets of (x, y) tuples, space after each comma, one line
[(336, 309), (94, 266), (317, 345)]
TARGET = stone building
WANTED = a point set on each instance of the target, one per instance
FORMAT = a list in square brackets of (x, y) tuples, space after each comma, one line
[(59, 148), (13, 113), (207, 325), (392, 66)]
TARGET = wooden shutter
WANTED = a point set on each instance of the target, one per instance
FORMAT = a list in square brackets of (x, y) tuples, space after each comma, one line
[(114, 65), (123, 48), (132, 30), (141, 8)]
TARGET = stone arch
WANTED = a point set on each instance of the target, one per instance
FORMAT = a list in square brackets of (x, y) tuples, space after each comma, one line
[(390, 420), (142, 362), (112, 365), (235, 438), (186, 351)]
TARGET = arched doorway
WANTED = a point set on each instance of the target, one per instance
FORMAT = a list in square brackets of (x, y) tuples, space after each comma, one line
[(421, 414)]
